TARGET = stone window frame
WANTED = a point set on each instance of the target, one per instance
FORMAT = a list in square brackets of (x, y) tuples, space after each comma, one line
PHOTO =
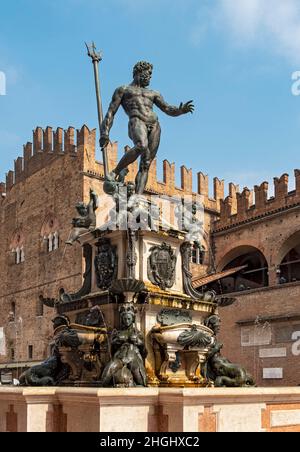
[(53, 242), (17, 247), (50, 233), (19, 255), (198, 256)]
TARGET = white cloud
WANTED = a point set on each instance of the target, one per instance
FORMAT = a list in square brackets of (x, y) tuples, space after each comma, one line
[(244, 17), (12, 70), (269, 24)]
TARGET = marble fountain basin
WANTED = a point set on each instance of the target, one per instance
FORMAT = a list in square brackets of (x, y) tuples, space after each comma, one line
[(197, 337)]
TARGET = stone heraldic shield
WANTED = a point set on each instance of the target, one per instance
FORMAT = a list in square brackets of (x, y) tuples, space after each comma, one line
[(161, 266), (106, 264)]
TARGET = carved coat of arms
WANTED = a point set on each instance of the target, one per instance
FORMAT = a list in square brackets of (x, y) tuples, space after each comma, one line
[(106, 264), (162, 266)]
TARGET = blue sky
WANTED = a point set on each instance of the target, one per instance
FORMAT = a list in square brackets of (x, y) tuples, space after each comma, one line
[(234, 58)]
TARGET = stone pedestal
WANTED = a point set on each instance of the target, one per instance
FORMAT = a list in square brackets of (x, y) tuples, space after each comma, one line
[(149, 410), (146, 268)]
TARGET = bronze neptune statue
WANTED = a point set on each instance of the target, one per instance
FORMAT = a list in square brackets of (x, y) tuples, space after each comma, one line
[(144, 129)]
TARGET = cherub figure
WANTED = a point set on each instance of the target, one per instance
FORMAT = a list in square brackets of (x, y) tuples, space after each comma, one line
[(87, 219)]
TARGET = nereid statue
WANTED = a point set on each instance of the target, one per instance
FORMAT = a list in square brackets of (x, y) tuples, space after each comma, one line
[(126, 368)]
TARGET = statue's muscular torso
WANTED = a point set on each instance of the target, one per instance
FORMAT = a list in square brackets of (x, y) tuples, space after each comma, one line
[(144, 129), (138, 103)]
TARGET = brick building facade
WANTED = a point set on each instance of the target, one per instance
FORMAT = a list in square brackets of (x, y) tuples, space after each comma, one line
[(264, 324), (262, 238)]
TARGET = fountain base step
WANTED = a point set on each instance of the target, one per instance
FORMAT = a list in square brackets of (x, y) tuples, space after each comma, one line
[(149, 410)]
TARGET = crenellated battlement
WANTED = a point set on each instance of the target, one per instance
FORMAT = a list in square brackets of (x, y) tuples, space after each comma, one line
[(240, 207), (46, 146)]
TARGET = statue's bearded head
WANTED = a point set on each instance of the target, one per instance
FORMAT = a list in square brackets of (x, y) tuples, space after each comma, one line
[(142, 73)]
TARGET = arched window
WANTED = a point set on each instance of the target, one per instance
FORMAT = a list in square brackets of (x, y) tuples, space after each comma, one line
[(247, 269), (50, 233), (17, 247), (289, 266)]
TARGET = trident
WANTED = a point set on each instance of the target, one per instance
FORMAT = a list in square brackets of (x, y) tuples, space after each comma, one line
[(96, 58)]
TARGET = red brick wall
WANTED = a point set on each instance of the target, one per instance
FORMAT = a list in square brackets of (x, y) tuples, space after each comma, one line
[(50, 184), (281, 304)]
